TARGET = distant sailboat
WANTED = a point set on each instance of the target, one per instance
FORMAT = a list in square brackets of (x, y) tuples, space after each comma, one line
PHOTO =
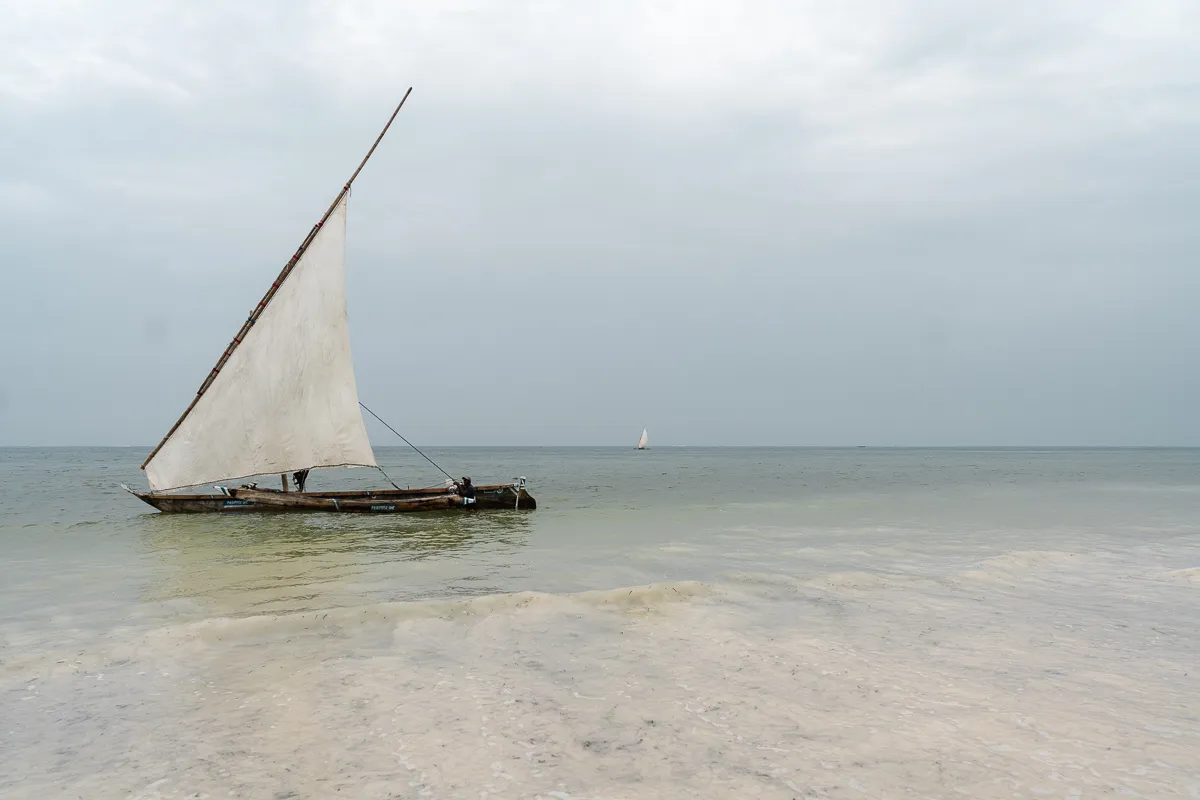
[(643, 442)]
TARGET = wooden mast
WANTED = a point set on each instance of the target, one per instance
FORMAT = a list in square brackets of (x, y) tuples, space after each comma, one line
[(287, 270)]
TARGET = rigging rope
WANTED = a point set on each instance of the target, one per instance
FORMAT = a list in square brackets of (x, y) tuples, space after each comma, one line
[(387, 477), (406, 441)]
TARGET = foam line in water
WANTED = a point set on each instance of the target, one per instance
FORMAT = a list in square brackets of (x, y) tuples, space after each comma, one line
[(629, 599)]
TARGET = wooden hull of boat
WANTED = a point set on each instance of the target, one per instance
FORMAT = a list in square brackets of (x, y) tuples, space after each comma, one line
[(391, 501)]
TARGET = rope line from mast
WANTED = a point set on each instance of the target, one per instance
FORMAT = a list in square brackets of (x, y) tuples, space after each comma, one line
[(406, 441), (387, 477)]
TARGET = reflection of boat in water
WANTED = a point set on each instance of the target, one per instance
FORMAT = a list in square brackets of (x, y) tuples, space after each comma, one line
[(282, 400), (285, 563)]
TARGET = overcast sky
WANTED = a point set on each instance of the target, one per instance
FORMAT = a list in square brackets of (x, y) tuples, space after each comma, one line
[(842, 222)]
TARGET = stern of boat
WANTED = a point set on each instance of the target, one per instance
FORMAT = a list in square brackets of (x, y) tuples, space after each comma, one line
[(504, 497)]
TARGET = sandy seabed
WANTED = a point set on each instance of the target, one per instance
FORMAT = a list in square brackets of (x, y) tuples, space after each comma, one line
[(1032, 674)]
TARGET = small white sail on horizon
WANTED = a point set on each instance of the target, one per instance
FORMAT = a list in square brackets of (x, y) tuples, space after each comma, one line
[(285, 399), (644, 441)]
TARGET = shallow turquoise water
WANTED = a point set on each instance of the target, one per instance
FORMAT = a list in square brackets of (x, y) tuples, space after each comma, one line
[(819, 623)]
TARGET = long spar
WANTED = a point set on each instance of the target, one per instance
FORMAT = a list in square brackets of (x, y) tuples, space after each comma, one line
[(287, 270)]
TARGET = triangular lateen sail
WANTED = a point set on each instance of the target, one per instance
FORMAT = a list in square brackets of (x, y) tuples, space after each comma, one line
[(285, 399), (642, 442)]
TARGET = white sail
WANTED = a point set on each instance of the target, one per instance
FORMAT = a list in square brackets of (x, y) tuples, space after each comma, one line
[(285, 399), (642, 442)]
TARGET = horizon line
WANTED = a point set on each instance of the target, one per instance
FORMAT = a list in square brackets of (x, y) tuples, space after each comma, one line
[(688, 446)]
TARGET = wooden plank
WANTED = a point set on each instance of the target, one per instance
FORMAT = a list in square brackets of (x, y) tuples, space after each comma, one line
[(296, 501), (290, 500)]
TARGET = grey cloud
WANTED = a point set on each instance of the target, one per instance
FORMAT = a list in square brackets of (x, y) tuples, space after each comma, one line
[(891, 223)]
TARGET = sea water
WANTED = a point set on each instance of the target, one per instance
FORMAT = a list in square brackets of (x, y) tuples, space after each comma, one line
[(680, 622)]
